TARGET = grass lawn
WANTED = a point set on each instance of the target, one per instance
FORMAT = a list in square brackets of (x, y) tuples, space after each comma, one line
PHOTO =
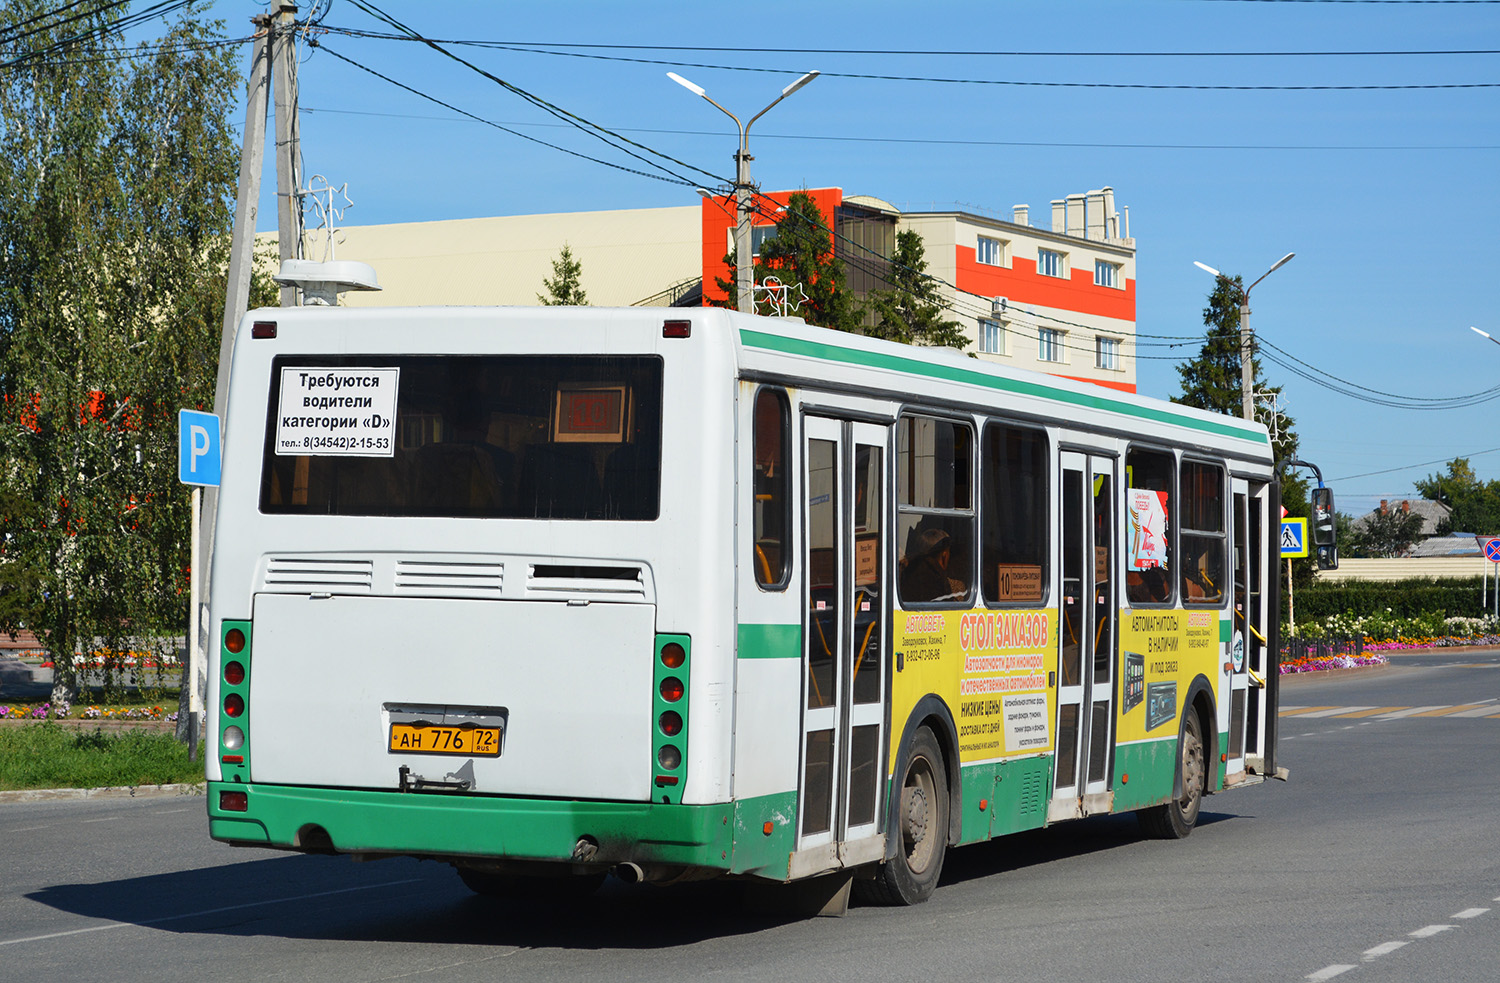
[(46, 755)]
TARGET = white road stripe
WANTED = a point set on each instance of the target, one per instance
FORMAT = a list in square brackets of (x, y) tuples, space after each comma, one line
[(1332, 713), (1471, 913), (1384, 948), (1476, 712), (1411, 710), (199, 914), (1429, 931), (1328, 972)]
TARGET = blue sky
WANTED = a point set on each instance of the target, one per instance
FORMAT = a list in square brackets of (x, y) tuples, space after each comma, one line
[(1387, 195)]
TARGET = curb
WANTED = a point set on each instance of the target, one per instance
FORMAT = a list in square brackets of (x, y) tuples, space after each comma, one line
[(108, 792)]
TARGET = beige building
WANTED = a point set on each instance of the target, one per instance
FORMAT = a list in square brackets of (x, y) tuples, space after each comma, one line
[(1059, 299)]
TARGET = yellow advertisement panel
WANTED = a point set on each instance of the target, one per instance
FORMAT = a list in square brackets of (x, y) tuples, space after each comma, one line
[(991, 668), (1161, 652)]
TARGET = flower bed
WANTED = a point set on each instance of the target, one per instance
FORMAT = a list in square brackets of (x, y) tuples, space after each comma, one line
[(64, 711), (1312, 663)]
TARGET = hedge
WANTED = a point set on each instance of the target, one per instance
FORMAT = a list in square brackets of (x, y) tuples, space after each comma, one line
[(1406, 598)]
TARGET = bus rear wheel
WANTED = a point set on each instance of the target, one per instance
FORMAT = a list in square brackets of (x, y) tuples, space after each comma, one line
[(922, 823), (1176, 819)]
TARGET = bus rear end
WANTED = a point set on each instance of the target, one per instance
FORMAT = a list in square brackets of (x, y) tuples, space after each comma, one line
[(460, 613)]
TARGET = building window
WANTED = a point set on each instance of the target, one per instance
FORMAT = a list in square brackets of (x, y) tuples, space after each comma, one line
[(1050, 262), (1106, 353), (758, 236), (1106, 274), (1049, 345), (990, 252), (991, 337)]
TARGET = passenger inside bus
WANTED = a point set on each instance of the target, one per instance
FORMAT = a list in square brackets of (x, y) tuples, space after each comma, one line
[(924, 569)]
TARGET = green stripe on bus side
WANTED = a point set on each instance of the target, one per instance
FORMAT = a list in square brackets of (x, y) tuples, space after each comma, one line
[(1150, 767), (769, 642), (953, 373)]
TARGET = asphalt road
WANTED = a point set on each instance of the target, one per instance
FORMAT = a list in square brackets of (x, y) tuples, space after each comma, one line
[(1376, 862)]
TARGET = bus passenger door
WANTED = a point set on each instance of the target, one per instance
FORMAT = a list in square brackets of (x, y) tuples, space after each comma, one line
[(1086, 664), (844, 679), (1247, 638)]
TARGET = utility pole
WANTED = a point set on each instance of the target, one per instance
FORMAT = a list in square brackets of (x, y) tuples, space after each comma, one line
[(273, 44), (1247, 340), (744, 257), (288, 141)]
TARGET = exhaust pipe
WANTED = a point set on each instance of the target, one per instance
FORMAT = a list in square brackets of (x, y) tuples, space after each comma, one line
[(629, 873)]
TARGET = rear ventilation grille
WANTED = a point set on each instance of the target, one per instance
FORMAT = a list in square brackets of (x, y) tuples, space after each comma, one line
[(565, 579), (303, 575), (449, 577)]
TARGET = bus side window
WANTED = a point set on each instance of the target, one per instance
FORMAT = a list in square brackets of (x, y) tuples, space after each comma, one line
[(1151, 511), (772, 488), (935, 514), (1203, 536)]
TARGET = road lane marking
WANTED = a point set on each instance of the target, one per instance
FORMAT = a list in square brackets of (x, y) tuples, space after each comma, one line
[(1429, 931), (1328, 972), (105, 819), (1445, 711), (1383, 949), (1332, 711), (1372, 711), (1471, 913), (1410, 711), (1302, 710), (210, 911)]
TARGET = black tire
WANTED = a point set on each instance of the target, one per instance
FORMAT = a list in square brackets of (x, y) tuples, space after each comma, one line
[(921, 820), (514, 887), (1176, 819)]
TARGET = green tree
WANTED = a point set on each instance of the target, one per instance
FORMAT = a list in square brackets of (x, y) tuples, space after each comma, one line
[(800, 255), (117, 180), (1384, 534), (1212, 382), (912, 310), (1475, 504), (563, 289)]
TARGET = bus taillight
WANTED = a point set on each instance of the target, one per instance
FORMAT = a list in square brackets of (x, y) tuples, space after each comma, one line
[(670, 723), (234, 704), (234, 673), (672, 655), (671, 689), (234, 641)]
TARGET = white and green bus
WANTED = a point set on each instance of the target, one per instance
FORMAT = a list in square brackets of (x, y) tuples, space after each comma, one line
[(548, 593)]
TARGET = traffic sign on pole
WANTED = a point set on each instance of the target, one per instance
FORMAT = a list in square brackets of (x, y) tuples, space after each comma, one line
[(1293, 537), (198, 451), (1492, 550)]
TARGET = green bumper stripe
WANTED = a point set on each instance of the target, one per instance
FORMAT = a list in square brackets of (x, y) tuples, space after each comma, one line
[(363, 821), (955, 373), (770, 642)]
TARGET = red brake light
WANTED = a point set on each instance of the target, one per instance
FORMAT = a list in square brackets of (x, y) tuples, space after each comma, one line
[(671, 689), (234, 704), (263, 329), (670, 723), (672, 655), (234, 801), (234, 640), (676, 329), (234, 673)]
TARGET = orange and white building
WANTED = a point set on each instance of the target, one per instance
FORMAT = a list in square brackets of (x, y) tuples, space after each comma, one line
[(1058, 299)]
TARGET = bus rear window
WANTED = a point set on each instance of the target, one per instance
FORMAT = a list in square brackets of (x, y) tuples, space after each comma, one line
[(483, 436)]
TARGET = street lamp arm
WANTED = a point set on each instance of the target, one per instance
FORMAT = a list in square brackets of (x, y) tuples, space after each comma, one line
[(784, 93), (1484, 334), (1279, 264), (697, 90)]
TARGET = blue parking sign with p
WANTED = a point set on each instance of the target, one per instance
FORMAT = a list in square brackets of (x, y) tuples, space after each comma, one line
[(198, 450)]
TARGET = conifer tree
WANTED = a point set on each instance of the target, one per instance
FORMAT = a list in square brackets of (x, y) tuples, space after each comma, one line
[(563, 289), (912, 310)]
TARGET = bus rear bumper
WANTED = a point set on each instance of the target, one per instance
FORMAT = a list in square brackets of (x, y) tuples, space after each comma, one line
[(454, 827)]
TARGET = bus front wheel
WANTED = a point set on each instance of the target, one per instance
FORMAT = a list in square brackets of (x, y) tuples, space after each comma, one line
[(1176, 819), (921, 821)]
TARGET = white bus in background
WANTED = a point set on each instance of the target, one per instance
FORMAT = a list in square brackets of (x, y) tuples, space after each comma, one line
[(548, 593)]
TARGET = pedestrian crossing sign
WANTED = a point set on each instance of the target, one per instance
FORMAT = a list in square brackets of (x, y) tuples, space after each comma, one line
[(1293, 537)]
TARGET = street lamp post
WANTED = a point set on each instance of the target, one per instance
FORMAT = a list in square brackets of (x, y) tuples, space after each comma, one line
[(744, 261), (1484, 334), (1247, 340)]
